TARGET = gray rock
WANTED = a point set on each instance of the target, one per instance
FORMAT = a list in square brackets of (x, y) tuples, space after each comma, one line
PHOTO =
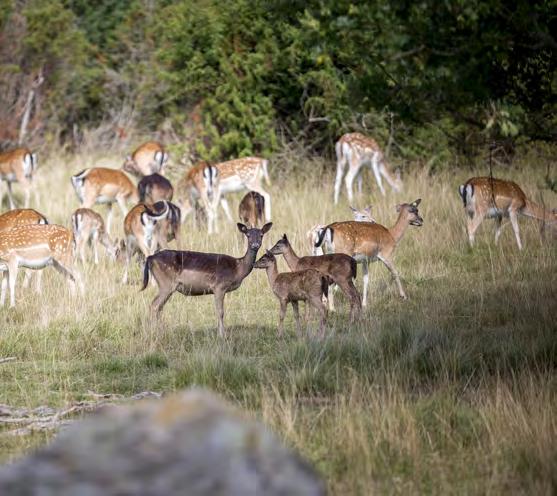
[(190, 443)]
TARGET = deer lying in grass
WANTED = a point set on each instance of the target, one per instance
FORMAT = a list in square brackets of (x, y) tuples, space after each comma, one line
[(101, 185), (141, 233), (18, 166), (486, 197), (193, 273), (307, 285), (88, 227), (368, 242), (339, 268), (149, 158), (251, 209), (36, 247), (154, 188)]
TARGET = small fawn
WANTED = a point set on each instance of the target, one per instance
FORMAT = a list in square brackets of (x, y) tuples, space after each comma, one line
[(88, 227)]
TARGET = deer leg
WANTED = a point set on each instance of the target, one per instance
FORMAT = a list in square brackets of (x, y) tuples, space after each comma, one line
[(4, 287), (12, 278), (348, 180), (11, 196), (282, 313), (377, 172), (341, 165), (109, 218), (160, 300), (129, 253), (317, 303), (472, 225), (38, 281), (296, 311), (27, 278), (359, 181), (389, 264), (226, 208), (72, 276), (365, 267), (95, 242), (26, 193), (351, 292), (267, 197), (498, 224), (331, 297), (514, 223), (219, 306)]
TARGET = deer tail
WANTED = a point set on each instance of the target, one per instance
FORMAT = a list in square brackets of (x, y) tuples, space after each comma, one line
[(146, 269)]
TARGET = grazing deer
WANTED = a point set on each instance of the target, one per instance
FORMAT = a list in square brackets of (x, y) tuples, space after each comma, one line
[(355, 149), (341, 269), (244, 174), (368, 242), (251, 209), (18, 166), (200, 184), (149, 158), (486, 197), (88, 227), (194, 273), (104, 186), (141, 233), (35, 247), (306, 285), (154, 188), (168, 228)]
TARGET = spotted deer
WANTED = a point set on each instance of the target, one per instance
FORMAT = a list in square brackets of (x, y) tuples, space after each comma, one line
[(355, 150), (486, 197), (149, 158), (308, 285), (141, 233), (104, 186), (194, 273), (244, 174), (201, 184), (251, 209), (88, 227), (18, 165), (368, 242), (36, 247), (154, 188)]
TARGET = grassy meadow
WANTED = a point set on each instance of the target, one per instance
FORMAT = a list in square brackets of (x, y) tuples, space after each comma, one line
[(452, 391)]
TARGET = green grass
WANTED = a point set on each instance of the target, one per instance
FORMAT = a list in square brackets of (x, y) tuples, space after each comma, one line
[(453, 391)]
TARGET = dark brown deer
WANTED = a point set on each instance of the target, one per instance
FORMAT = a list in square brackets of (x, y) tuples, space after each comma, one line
[(195, 273), (154, 188), (338, 267), (252, 209), (307, 285)]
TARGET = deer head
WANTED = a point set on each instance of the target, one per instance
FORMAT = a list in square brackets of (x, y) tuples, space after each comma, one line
[(254, 235), (409, 211)]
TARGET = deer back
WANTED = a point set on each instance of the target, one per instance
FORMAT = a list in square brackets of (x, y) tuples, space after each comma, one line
[(20, 217)]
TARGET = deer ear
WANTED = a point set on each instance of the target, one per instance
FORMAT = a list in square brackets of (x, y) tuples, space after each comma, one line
[(368, 209), (284, 237), (352, 208), (242, 228), (398, 207), (266, 227), (417, 202)]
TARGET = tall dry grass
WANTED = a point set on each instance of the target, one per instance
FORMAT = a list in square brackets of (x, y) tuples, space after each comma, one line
[(453, 391)]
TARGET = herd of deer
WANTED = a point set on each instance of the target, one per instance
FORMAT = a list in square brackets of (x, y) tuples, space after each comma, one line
[(27, 239)]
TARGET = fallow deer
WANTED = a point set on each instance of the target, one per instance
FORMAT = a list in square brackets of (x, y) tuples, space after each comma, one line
[(244, 174), (141, 233), (486, 197), (149, 158), (355, 150), (88, 227), (36, 247), (104, 186), (168, 228), (18, 166), (193, 273), (340, 269), (251, 209), (200, 184), (306, 285), (368, 242), (154, 188)]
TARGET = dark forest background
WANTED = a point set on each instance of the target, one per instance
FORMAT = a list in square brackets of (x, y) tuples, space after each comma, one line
[(218, 79)]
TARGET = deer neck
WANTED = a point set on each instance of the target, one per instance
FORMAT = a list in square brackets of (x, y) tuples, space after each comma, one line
[(398, 230), (245, 264), (291, 258), (272, 273)]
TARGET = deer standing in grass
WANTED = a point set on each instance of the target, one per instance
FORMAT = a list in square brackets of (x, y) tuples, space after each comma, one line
[(154, 188), (339, 268), (141, 233), (149, 158), (244, 174), (486, 197), (368, 242), (200, 184), (36, 247), (308, 285), (194, 273), (168, 228), (251, 209), (88, 227), (104, 186), (18, 166), (355, 150)]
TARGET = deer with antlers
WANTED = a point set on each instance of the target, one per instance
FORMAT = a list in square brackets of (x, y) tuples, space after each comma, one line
[(487, 197), (141, 234), (36, 247), (368, 242), (149, 158), (104, 186), (355, 150), (88, 227), (18, 165), (194, 273)]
